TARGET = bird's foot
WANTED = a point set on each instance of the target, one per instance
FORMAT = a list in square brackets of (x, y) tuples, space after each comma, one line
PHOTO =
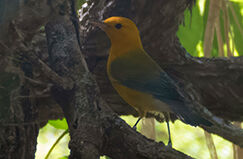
[(169, 144), (135, 125)]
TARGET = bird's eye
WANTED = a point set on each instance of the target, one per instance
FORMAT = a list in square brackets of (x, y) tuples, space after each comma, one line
[(118, 26)]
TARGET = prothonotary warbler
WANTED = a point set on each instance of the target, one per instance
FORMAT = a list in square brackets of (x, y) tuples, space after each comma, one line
[(138, 79)]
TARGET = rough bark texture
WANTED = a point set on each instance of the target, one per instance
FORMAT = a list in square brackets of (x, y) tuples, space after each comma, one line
[(40, 70), (24, 105)]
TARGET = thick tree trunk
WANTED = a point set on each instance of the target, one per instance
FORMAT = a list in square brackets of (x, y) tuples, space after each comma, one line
[(66, 66)]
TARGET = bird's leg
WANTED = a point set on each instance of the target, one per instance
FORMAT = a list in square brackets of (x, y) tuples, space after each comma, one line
[(167, 116), (168, 127), (135, 125)]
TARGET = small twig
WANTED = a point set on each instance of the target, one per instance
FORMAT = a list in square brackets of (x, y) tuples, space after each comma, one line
[(35, 82), (211, 146), (64, 82), (3, 45), (219, 38), (213, 13), (226, 27)]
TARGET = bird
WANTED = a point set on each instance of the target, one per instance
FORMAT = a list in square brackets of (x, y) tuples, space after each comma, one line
[(138, 79)]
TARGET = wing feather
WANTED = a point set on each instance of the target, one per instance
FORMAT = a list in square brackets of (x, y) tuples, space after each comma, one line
[(138, 71)]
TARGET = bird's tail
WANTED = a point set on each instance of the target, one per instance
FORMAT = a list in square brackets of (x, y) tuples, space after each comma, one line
[(190, 117), (187, 115)]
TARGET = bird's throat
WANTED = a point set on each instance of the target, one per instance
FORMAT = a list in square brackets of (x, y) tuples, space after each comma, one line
[(119, 48)]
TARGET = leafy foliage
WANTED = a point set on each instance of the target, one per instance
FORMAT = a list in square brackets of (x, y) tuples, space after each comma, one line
[(59, 124), (191, 34), (237, 28), (64, 157)]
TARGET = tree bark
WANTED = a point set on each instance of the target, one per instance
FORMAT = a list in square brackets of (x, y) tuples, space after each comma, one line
[(65, 66)]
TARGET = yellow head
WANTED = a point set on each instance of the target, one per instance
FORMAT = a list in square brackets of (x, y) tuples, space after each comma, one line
[(122, 32)]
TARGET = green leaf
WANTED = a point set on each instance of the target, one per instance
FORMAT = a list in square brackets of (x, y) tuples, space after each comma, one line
[(192, 32), (64, 157), (215, 51), (237, 35), (59, 124)]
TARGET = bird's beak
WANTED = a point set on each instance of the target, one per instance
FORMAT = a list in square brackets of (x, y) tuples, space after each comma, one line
[(101, 25)]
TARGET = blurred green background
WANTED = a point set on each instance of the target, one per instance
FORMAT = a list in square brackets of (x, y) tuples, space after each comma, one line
[(187, 139)]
